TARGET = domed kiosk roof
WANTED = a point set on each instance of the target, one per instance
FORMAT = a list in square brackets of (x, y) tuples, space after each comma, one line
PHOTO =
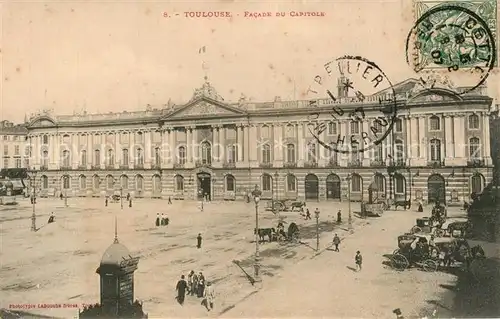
[(115, 254)]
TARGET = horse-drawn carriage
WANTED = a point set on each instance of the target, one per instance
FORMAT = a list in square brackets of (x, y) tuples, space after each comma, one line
[(278, 234), (115, 198), (441, 227), (424, 251), (284, 205)]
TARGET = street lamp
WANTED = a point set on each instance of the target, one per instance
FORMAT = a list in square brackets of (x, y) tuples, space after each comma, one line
[(348, 179), (33, 173), (316, 213), (256, 197)]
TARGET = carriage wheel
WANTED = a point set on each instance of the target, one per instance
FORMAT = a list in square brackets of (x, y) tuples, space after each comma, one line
[(415, 230), (399, 262), (430, 265), (395, 252)]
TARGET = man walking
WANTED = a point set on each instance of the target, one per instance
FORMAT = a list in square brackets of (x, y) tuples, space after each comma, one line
[(359, 260), (209, 296), (181, 290), (336, 242), (308, 214), (339, 217), (199, 241)]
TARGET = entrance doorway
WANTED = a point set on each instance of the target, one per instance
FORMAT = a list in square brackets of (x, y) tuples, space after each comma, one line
[(204, 186), (312, 187), (436, 189), (333, 187)]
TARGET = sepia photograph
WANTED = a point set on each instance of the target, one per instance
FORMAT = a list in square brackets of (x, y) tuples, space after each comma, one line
[(249, 159)]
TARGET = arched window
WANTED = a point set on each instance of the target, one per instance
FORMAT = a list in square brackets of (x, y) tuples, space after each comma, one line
[(435, 150), (83, 182), (311, 152), (290, 153), (111, 157), (179, 183), (96, 183), (399, 184), (356, 183), (266, 153), (110, 181), (45, 182), (399, 152), (139, 182), (66, 162), (474, 148), (267, 182), (157, 184), (97, 157), (473, 122), (477, 183), (231, 153), (83, 159), (230, 183), (182, 155), (66, 182), (125, 157), (206, 153), (124, 181), (139, 156), (434, 123), (291, 183)]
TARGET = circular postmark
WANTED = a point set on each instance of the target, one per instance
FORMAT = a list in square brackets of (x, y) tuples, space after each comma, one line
[(454, 39), (354, 91)]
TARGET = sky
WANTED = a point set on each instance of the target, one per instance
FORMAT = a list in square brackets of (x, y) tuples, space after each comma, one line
[(109, 56)]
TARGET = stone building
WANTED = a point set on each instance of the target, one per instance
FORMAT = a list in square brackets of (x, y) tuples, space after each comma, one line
[(438, 149), (13, 146)]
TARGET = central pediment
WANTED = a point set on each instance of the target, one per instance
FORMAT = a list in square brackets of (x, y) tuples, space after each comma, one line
[(202, 108)]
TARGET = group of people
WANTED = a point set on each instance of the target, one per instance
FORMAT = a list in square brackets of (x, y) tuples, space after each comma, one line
[(128, 198), (196, 285), (161, 221)]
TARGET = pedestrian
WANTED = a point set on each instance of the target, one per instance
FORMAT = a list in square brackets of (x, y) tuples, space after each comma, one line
[(201, 285), (128, 196), (181, 290), (339, 217), (194, 285), (130, 203), (190, 282), (106, 201), (359, 260), (199, 241), (336, 242), (209, 296), (169, 200), (51, 218), (308, 214), (157, 223), (162, 220), (167, 221), (61, 196)]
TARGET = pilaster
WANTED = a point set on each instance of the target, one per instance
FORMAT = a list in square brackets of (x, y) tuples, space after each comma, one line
[(117, 150), (74, 151), (485, 140), (301, 146), (147, 149), (448, 143), (131, 150), (253, 148), (459, 138)]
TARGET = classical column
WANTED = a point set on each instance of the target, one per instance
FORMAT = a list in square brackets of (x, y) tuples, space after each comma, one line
[(413, 132), (253, 148), (422, 137), (458, 133), (196, 145), (222, 142), (246, 143), (485, 140), (448, 150), (90, 150), (131, 150), (104, 151), (117, 150), (407, 128), (215, 143), (300, 143), (189, 144), (240, 143), (74, 151), (278, 144), (171, 146), (147, 149)]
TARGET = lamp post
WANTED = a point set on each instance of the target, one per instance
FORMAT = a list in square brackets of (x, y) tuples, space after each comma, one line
[(316, 213), (348, 179), (33, 186), (256, 197)]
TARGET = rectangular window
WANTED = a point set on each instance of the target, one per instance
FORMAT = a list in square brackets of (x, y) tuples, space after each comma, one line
[(332, 128), (354, 127), (6, 150), (6, 162), (18, 163)]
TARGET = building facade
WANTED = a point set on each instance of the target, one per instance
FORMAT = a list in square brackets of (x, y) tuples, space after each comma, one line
[(13, 146), (437, 150)]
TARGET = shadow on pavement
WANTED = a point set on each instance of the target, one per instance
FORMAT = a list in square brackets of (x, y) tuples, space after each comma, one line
[(351, 268), (476, 293)]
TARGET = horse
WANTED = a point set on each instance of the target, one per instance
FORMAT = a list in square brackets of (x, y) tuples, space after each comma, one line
[(269, 232), (293, 231), (298, 205), (406, 204)]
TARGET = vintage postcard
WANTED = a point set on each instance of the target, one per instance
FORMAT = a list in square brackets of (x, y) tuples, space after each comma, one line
[(234, 159)]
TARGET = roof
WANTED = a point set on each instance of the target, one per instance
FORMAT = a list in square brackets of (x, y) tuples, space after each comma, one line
[(115, 254)]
